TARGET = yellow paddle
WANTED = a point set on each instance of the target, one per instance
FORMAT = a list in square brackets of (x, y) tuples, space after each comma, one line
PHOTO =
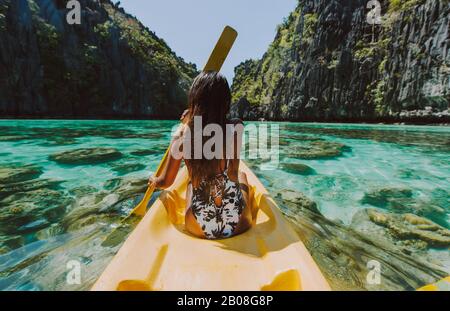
[(215, 62)]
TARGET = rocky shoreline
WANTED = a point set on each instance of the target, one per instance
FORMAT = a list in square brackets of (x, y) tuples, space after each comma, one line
[(434, 121)]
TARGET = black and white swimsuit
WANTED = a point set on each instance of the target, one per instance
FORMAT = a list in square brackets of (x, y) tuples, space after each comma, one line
[(217, 205)]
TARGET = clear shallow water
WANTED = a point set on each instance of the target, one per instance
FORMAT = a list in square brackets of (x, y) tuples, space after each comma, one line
[(368, 158), (393, 156)]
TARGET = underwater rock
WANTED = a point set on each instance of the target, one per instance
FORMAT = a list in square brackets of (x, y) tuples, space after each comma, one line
[(128, 134), (387, 197), (4, 250), (26, 186), (126, 187), (58, 141), (412, 227), (105, 208), (145, 152), (301, 137), (402, 200), (284, 142), (105, 204), (297, 168), (14, 174), (12, 242), (409, 174), (407, 230), (441, 197), (33, 226), (49, 232), (11, 138), (85, 206), (296, 200), (343, 252), (87, 156), (318, 150), (91, 219), (83, 245), (83, 191), (22, 209), (125, 168)]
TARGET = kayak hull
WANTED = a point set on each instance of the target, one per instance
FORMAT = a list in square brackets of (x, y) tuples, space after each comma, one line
[(160, 255)]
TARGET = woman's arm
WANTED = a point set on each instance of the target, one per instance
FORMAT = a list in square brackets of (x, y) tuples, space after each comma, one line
[(173, 161), (167, 178)]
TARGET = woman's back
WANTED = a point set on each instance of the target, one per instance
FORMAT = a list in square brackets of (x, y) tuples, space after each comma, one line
[(217, 205), (217, 200)]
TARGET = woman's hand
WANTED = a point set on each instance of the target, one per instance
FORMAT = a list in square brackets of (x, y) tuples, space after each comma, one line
[(153, 181)]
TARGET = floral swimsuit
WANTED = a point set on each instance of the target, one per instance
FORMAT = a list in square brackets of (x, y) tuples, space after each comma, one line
[(217, 205)]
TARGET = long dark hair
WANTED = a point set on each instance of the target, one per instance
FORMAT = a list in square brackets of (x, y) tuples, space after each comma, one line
[(209, 98)]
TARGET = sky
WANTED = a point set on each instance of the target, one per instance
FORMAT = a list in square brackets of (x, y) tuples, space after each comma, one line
[(192, 27)]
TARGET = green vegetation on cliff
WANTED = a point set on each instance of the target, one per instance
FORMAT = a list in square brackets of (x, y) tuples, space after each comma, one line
[(109, 66), (328, 63), (258, 80)]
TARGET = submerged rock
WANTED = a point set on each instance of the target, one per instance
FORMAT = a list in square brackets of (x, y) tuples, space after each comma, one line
[(83, 191), (33, 226), (126, 187), (125, 168), (145, 152), (49, 232), (388, 197), (412, 227), (300, 137), (295, 200), (402, 200), (119, 195), (12, 241), (87, 156), (10, 138), (297, 168), (441, 197), (26, 186), (32, 209), (14, 174), (58, 141), (128, 134), (317, 150), (343, 252)]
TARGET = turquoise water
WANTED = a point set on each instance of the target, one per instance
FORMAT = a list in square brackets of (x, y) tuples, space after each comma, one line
[(54, 212)]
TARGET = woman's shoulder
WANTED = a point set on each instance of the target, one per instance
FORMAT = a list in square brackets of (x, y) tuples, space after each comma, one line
[(180, 132)]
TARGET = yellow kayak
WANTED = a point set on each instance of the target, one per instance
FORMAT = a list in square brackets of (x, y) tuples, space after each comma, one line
[(442, 285), (160, 255)]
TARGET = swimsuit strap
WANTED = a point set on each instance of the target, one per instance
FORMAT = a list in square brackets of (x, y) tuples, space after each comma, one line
[(225, 172)]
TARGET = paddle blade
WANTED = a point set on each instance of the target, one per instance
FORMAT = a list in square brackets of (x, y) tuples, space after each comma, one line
[(141, 208), (221, 50)]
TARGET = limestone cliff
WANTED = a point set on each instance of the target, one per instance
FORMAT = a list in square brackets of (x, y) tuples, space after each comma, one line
[(327, 63), (108, 66)]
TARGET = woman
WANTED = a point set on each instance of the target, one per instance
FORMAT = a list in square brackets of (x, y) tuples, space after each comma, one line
[(217, 196)]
